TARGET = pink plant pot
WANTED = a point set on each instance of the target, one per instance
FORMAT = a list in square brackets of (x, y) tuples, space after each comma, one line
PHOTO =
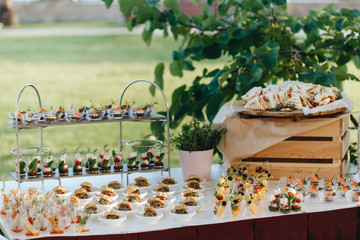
[(196, 162)]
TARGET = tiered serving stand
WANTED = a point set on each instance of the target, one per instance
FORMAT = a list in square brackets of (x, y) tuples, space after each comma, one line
[(41, 150)]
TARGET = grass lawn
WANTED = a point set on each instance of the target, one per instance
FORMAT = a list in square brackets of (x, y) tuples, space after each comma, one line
[(72, 71), (79, 24)]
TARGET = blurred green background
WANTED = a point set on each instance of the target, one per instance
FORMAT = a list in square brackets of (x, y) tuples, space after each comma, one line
[(72, 70)]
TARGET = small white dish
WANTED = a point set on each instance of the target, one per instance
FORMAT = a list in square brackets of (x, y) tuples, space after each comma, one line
[(95, 216), (105, 207), (86, 201), (113, 198), (64, 195), (141, 202), (202, 188), (171, 191), (170, 199), (140, 215), (170, 185), (134, 210), (164, 208), (120, 191), (183, 217), (200, 204), (142, 193), (112, 222), (201, 196), (94, 191)]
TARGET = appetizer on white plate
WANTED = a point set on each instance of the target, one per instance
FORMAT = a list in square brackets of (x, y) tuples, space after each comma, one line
[(92, 210), (195, 185), (125, 207), (116, 185), (112, 218), (142, 182), (169, 181), (83, 196), (163, 188), (193, 177), (61, 192), (105, 203), (135, 189), (192, 203), (182, 212), (149, 214), (192, 193), (156, 203), (109, 192), (135, 199), (165, 198)]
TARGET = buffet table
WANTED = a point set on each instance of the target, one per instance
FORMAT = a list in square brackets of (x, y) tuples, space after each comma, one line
[(318, 220)]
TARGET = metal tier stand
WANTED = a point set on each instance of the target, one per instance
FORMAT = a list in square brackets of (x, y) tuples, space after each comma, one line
[(167, 123), (40, 149)]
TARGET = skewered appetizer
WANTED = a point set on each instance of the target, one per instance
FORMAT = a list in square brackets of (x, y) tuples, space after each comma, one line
[(132, 165), (329, 196), (90, 208), (124, 206), (105, 162), (63, 167), (132, 189), (141, 182), (315, 179), (22, 167), (296, 202), (118, 158), (114, 185), (50, 116), (344, 190), (168, 181), (133, 197), (108, 191), (354, 186), (159, 160), (191, 193), (329, 186), (150, 212), (313, 191), (273, 204), (30, 118), (77, 169), (41, 113), (60, 114), (87, 186), (284, 205), (16, 117), (33, 167), (112, 215), (356, 197), (105, 200), (162, 188), (117, 113), (49, 165), (139, 111), (92, 163), (151, 156), (145, 164), (81, 193)]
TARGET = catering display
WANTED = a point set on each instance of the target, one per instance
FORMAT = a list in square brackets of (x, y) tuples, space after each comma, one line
[(33, 164)]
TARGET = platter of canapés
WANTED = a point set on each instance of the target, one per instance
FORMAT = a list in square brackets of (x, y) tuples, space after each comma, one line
[(89, 162), (84, 113)]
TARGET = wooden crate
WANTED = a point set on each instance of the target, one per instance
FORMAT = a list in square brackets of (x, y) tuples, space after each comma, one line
[(325, 148)]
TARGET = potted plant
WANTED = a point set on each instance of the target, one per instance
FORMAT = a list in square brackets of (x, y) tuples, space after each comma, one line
[(196, 143)]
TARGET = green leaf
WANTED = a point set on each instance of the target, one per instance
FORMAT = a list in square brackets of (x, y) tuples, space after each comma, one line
[(239, 33), (213, 106), (152, 3), (255, 73), (213, 86), (176, 98), (172, 18), (108, 3), (33, 165), (159, 80), (127, 6), (213, 51), (22, 166), (339, 24), (147, 36), (172, 4), (311, 27), (310, 75), (234, 46), (279, 2), (295, 28), (176, 69)]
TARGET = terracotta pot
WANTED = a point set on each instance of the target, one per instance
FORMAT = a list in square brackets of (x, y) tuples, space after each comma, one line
[(196, 162)]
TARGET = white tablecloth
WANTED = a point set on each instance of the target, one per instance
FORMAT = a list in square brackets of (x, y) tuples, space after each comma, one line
[(133, 225)]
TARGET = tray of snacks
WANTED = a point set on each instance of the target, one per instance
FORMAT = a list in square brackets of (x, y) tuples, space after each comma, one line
[(293, 99)]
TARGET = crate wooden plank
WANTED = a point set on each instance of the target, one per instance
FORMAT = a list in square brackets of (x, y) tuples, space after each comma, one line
[(302, 149), (334, 129), (345, 143)]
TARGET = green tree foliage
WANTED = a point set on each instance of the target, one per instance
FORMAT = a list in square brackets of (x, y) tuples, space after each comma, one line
[(263, 42)]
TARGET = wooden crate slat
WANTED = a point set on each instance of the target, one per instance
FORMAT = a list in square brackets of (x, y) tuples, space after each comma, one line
[(334, 129), (302, 149), (345, 143)]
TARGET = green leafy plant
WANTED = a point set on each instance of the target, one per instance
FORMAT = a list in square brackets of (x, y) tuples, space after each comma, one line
[(263, 43), (197, 137), (353, 153)]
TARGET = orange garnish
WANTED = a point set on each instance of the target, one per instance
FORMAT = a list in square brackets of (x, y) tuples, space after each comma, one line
[(17, 230), (43, 229), (315, 178), (329, 194), (118, 108), (77, 114), (41, 110), (30, 234)]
